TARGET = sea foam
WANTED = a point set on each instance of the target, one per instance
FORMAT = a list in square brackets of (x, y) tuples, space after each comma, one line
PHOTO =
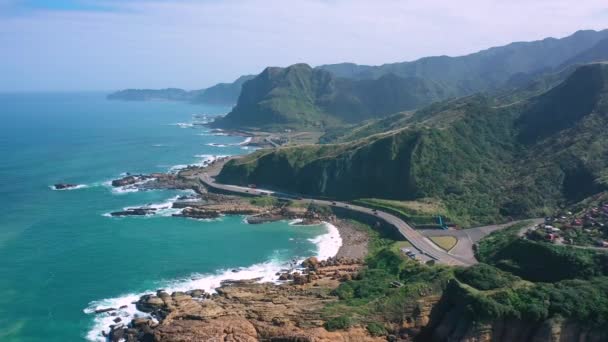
[(204, 160), (327, 244)]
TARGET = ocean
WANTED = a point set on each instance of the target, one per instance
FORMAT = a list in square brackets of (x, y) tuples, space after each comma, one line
[(61, 256)]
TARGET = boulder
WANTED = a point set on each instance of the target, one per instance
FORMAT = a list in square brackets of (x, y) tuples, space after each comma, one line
[(311, 263), (149, 303), (196, 293), (139, 321), (117, 333)]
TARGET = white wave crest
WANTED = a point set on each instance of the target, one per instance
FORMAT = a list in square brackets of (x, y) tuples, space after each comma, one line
[(329, 243), (217, 145), (183, 124), (163, 209), (204, 160), (208, 282)]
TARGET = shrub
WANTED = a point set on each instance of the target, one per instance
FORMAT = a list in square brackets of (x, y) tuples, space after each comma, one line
[(484, 277), (338, 323), (376, 329)]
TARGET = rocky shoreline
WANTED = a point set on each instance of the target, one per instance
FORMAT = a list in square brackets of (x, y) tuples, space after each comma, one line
[(244, 310), (247, 310)]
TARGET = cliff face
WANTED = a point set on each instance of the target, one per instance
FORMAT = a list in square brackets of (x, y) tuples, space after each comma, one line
[(453, 326), (450, 320)]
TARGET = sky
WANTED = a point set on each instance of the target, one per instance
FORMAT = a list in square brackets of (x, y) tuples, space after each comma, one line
[(83, 45)]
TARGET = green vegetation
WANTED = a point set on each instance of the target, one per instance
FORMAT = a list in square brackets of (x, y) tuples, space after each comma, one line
[(539, 261), (488, 69), (485, 277), (421, 212), (444, 242), (264, 201), (376, 329), (480, 161), (338, 323), (378, 239), (371, 298), (585, 301), (302, 97), (481, 293), (492, 244)]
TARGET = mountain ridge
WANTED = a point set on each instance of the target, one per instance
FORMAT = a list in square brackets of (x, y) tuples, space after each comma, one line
[(300, 95), (221, 93), (468, 153)]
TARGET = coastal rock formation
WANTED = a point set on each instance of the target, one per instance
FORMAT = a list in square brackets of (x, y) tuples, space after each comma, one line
[(64, 186), (215, 210), (245, 311), (129, 180), (159, 181), (134, 212)]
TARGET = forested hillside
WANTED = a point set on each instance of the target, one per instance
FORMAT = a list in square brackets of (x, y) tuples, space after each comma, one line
[(484, 162)]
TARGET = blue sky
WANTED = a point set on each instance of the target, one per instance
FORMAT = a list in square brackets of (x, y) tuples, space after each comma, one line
[(68, 45)]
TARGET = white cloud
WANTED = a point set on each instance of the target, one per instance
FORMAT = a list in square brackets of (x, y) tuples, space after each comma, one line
[(193, 44)]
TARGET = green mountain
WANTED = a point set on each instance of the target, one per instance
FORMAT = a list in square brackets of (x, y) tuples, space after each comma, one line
[(487, 69), (221, 93), (599, 52), (323, 97), (482, 161), (300, 96), (169, 94)]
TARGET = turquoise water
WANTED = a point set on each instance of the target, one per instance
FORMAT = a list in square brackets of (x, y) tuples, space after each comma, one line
[(60, 256)]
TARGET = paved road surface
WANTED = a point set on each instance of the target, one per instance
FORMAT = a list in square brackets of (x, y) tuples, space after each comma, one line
[(468, 237), (419, 242), (461, 254)]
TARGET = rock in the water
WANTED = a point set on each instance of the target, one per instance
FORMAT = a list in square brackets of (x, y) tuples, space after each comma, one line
[(128, 180), (199, 213), (63, 186), (104, 310), (134, 212)]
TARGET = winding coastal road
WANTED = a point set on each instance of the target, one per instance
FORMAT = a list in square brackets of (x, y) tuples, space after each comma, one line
[(423, 245)]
